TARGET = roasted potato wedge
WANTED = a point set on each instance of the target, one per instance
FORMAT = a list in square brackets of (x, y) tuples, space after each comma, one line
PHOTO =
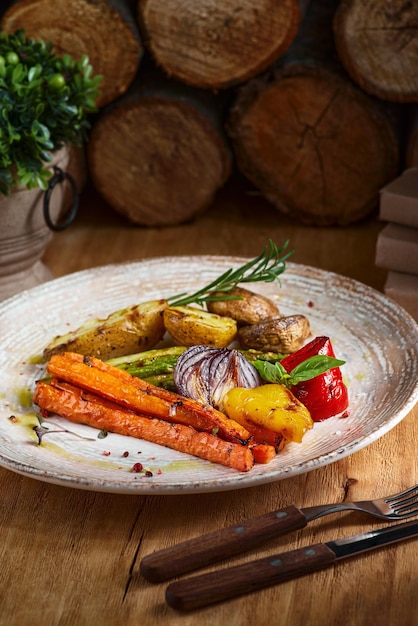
[(134, 329), (190, 326), (250, 309), (276, 334)]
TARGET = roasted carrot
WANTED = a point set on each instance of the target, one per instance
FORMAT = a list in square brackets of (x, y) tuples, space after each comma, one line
[(263, 453), (96, 376), (84, 407), (264, 435)]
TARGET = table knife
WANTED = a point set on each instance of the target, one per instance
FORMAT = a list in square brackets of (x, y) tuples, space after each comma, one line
[(206, 589)]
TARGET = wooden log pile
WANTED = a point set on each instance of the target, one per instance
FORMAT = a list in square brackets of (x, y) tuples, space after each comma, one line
[(315, 102)]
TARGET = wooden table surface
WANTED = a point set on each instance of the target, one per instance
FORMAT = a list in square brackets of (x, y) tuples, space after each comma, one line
[(71, 557)]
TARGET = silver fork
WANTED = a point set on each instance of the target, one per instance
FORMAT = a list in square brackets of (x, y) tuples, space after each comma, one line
[(221, 544)]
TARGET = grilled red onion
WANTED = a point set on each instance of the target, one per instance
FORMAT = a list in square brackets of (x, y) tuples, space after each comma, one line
[(207, 374)]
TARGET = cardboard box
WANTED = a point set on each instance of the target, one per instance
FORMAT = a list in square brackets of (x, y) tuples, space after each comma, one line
[(399, 199), (397, 248), (403, 288)]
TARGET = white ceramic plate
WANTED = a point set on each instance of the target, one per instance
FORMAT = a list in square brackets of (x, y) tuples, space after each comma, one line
[(375, 337)]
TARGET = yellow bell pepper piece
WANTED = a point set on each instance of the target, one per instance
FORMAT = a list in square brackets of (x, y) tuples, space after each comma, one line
[(272, 406)]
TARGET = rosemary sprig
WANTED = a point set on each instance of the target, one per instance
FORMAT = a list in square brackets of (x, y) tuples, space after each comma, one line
[(266, 267)]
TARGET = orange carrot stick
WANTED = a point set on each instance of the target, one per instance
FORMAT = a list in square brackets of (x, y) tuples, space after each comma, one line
[(263, 453), (264, 435), (83, 407), (134, 393)]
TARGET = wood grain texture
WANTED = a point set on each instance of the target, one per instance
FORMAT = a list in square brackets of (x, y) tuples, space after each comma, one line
[(314, 143), (215, 45), (377, 42), (225, 542), (206, 589), (160, 155), (72, 557), (240, 222)]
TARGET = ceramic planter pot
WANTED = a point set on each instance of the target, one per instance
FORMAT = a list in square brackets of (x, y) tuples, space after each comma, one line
[(25, 232)]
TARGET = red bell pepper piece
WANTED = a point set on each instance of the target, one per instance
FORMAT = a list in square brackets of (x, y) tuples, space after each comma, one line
[(325, 395)]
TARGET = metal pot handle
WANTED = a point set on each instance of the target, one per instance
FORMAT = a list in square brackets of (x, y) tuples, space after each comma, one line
[(59, 177)]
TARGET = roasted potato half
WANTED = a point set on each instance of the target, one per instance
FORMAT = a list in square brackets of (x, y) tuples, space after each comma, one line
[(250, 309), (190, 326), (134, 329), (276, 334)]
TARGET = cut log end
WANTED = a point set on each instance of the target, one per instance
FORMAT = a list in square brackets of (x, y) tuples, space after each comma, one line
[(215, 44), (377, 43), (93, 28), (157, 161), (314, 145)]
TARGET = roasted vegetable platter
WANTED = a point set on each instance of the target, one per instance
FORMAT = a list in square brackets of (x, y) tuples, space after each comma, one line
[(375, 338)]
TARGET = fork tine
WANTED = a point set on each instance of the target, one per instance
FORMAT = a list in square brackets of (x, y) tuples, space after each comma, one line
[(403, 504), (411, 508), (408, 501), (407, 515), (397, 496)]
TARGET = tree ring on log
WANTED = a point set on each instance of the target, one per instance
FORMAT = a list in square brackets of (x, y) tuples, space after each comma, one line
[(211, 44), (317, 147), (377, 43), (157, 161), (108, 35)]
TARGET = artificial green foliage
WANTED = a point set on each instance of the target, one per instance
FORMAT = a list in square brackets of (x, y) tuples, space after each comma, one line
[(45, 102)]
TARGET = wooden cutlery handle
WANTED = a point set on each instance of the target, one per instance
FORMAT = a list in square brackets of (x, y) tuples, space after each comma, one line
[(200, 591), (220, 544)]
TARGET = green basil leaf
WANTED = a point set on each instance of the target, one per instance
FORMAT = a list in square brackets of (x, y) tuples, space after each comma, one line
[(308, 369), (272, 372), (312, 367)]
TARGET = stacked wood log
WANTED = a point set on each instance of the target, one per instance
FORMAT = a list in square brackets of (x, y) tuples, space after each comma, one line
[(377, 42), (307, 96), (105, 30), (215, 44), (317, 146), (160, 154)]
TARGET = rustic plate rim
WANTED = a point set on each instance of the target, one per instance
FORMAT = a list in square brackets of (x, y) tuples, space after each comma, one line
[(241, 480)]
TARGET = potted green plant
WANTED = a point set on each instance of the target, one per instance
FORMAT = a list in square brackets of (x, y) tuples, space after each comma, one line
[(45, 105)]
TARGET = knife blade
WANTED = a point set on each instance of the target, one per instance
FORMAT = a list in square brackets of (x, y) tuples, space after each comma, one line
[(217, 586)]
